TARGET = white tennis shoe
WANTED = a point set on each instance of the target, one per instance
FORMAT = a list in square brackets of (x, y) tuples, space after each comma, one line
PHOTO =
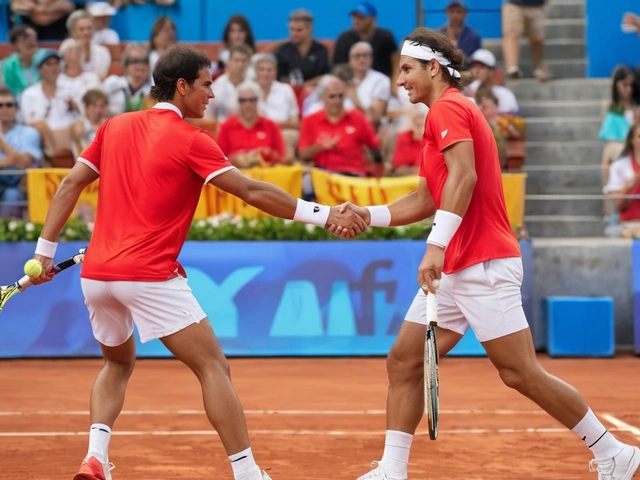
[(623, 466)]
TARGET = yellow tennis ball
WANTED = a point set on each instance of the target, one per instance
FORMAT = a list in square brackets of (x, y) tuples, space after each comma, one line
[(33, 268)]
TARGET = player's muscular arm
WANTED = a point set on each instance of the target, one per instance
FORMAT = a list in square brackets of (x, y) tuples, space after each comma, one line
[(413, 207), (65, 199), (461, 179)]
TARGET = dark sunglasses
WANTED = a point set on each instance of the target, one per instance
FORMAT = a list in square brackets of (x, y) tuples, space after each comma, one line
[(8, 105), (358, 56), (245, 100), (331, 96)]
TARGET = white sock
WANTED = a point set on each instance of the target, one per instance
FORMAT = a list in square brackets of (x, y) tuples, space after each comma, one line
[(241, 462), (603, 445), (395, 459), (99, 437)]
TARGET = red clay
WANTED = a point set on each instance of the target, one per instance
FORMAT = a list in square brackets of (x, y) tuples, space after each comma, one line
[(315, 443)]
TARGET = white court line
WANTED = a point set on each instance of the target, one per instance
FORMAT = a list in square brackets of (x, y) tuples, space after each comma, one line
[(621, 425), (322, 433), (267, 412)]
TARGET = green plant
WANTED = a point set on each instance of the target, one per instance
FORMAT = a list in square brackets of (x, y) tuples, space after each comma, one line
[(222, 227)]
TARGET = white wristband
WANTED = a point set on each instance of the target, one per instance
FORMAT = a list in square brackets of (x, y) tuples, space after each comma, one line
[(380, 216), (309, 212), (444, 228), (46, 248)]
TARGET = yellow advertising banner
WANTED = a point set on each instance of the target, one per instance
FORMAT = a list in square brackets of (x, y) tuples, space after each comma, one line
[(333, 189), (42, 184)]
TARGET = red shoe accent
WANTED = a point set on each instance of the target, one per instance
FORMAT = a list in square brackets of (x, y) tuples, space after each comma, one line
[(90, 470)]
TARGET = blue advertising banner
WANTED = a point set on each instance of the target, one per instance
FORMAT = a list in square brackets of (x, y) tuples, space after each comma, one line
[(263, 299)]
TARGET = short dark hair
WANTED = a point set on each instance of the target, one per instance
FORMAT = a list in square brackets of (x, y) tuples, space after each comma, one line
[(181, 61), (94, 95), (5, 91), (18, 31), (441, 43)]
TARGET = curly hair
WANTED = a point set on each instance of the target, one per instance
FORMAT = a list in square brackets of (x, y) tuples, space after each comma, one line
[(181, 61), (441, 43)]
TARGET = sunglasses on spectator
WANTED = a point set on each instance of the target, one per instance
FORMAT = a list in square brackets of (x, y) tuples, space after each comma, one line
[(332, 96), (7, 104), (245, 100), (137, 60), (358, 56)]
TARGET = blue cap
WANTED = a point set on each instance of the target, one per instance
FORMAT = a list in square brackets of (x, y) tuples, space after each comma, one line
[(453, 3), (365, 9), (43, 55)]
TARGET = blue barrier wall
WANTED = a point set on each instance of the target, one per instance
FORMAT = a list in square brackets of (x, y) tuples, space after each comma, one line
[(263, 298), (607, 45)]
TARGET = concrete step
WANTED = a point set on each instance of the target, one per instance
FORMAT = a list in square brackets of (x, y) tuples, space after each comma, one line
[(534, 206), (567, 153), (565, 89), (587, 108), (562, 128), (565, 10), (561, 226), (564, 182), (554, 49), (565, 28)]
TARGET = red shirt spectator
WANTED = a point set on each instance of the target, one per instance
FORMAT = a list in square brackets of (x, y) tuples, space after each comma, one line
[(264, 135), (334, 139), (407, 151)]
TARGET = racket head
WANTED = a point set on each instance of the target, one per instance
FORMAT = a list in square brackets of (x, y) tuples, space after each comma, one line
[(431, 381), (7, 292)]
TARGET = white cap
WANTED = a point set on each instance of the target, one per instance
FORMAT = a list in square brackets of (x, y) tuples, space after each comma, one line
[(101, 9), (484, 56)]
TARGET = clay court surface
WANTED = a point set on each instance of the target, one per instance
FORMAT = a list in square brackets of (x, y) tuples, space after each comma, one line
[(308, 419)]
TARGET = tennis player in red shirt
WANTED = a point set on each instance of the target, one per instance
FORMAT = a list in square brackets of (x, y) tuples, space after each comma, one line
[(474, 253), (152, 167)]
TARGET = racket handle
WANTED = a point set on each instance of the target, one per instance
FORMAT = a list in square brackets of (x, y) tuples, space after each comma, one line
[(24, 282), (432, 308)]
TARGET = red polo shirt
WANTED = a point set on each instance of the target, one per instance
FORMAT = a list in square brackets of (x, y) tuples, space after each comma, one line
[(234, 137), (355, 133), (407, 151)]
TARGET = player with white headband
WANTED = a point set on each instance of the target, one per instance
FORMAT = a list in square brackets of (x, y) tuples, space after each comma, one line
[(474, 253)]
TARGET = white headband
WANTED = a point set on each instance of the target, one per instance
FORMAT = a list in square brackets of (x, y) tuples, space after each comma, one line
[(424, 52)]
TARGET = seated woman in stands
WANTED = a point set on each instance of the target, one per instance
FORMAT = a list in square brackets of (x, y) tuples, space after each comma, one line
[(248, 139), (624, 179), (237, 31), (619, 117), (163, 36)]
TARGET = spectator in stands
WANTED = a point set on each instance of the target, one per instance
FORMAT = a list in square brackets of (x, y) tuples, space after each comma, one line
[(237, 31), (102, 13), (488, 103), (248, 139), (370, 90), (515, 15), (73, 79), (385, 50), (624, 179), (278, 101), (19, 149), (163, 36), (483, 64), (335, 139), (18, 69), (49, 107), (95, 113), (225, 102), (127, 92), (407, 153), (619, 117), (465, 37), (94, 58), (47, 17), (302, 60), (631, 23), (313, 101)]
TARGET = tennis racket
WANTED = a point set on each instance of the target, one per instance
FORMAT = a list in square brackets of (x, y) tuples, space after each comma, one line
[(431, 381), (9, 291)]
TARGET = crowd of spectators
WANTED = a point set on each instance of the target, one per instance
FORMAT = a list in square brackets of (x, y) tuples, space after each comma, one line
[(335, 108)]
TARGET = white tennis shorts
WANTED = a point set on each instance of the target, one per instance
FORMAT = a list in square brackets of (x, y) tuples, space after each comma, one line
[(485, 297), (157, 308)]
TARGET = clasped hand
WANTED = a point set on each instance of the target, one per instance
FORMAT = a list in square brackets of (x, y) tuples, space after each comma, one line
[(348, 220)]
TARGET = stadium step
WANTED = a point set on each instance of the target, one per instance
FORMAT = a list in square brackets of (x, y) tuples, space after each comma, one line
[(561, 90), (562, 128), (587, 108), (571, 154), (554, 49)]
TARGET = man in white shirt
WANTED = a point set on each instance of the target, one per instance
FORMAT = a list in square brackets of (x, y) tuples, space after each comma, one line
[(127, 92), (483, 64), (225, 102)]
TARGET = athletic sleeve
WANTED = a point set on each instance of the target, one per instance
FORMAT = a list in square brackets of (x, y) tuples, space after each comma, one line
[(206, 158), (449, 123), (92, 155)]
